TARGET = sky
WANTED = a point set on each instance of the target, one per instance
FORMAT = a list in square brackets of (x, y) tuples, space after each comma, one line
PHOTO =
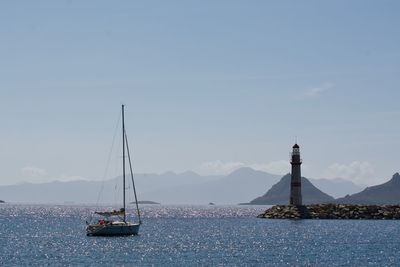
[(209, 86)]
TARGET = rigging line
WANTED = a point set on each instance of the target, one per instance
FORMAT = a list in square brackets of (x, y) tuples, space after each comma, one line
[(108, 160), (133, 181)]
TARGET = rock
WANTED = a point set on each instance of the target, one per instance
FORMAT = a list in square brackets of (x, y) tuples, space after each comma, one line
[(333, 211)]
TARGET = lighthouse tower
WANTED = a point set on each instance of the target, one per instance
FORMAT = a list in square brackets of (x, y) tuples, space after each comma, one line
[(295, 185)]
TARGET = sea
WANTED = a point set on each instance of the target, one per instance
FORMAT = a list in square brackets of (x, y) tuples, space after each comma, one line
[(54, 235)]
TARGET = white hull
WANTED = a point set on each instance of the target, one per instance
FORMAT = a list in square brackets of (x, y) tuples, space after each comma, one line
[(119, 229)]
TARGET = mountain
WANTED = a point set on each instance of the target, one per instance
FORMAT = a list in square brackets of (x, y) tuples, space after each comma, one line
[(167, 188), (239, 186), (53, 192), (108, 191), (336, 187), (387, 193), (155, 182), (279, 193)]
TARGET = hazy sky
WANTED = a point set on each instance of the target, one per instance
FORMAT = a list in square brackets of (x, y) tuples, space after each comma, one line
[(209, 86)]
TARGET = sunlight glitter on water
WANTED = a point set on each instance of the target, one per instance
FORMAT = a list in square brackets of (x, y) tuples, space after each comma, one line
[(147, 211), (193, 235)]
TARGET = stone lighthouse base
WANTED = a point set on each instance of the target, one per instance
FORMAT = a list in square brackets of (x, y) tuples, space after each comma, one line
[(333, 212)]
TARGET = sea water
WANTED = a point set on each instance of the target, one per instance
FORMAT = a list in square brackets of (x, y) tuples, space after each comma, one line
[(193, 235)]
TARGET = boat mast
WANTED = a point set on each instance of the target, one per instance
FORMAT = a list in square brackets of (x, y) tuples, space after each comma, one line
[(133, 181), (123, 158)]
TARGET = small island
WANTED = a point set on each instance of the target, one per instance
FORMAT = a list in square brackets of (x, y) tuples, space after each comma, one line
[(146, 202), (2, 201)]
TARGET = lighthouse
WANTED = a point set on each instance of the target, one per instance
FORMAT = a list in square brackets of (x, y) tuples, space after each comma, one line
[(295, 185)]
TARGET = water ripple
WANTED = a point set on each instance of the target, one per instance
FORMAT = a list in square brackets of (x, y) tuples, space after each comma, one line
[(193, 235)]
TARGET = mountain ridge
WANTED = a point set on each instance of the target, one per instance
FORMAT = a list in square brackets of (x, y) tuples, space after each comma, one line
[(385, 194), (280, 192), (167, 188)]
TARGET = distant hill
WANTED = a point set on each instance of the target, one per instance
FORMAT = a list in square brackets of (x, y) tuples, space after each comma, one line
[(387, 193), (239, 186), (280, 192), (336, 187), (53, 192), (167, 188), (2, 201), (108, 191)]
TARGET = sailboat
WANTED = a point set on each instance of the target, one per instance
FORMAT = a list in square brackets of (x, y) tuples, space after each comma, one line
[(114, 223)]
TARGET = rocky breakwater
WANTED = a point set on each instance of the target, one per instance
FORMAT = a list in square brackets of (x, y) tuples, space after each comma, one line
[(333, 212)]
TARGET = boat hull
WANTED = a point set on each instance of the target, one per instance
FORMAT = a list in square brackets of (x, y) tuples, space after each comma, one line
[(113, 230)]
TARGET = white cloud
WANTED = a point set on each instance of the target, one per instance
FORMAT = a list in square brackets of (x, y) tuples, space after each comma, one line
[(223, 168), (33, 172), (356, 171), (68, 178), (38, 175), (273, 167), (219, 168), (317, 91)]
